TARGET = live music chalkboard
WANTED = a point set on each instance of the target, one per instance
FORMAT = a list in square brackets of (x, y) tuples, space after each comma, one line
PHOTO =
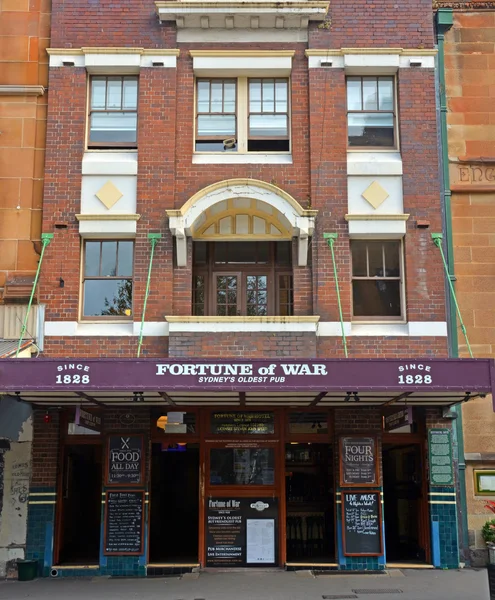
[(358, 462), (124, 519), (362, 523), (125, 460)]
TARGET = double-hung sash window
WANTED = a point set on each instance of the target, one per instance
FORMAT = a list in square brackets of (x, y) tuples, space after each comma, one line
[(113, 112), (107, 279), (242, 115), (377, 280), (371, 119)]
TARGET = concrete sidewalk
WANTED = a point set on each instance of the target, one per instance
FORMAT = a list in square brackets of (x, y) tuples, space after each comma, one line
[(408, 584)]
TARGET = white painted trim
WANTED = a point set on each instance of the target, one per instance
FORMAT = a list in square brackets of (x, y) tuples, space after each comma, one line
[(110, 163), (241, 327), (376, 63), (428, 328), (332, 329), (374, 163), (411, 329), (237, 66), (427, 62), (229, 158), (375, 228), (112, 62), (75, 329), (314, 62), (237, 36)]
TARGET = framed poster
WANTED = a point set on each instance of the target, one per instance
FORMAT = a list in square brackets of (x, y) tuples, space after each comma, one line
[(362, 523), (484, 482), (124, 522), (440, 457), (358, 461), (125, 460)]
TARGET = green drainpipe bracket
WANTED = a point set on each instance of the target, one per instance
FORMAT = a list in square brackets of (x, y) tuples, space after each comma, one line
[(154, 238), (331, 238), (46, 238)]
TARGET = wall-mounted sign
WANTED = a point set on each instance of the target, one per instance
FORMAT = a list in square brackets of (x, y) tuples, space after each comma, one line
[(125, 460), (472, 175), (440, 456), (358, 461), (398, 418), (241, 531), (484, 482), (362, 523), (88, 418), (240, 423), (124, 519)]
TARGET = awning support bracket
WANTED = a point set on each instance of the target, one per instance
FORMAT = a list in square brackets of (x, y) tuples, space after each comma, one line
[(437, 240), (46, 238), (153, 238), (331, 237)]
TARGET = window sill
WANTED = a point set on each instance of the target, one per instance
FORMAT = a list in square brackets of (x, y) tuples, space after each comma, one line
[(384, 329), (306, 324), (226, 158)]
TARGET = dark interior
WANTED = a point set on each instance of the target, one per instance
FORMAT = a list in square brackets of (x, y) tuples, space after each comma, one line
[(81, 501), (309, 496), (402, 488), (174, 509)]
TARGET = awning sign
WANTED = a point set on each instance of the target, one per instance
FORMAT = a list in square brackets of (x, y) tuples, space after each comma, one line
[(87, 418), (399, 418)]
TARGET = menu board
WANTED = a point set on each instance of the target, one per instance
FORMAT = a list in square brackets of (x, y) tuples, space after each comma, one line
[(124, 518), (362, 523), (358, 463), (241, 531), (125, 460), (440, 454), (242, 423)]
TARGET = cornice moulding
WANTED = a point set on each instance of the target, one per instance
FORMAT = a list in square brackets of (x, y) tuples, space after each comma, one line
[(225, 53), (22, 90)]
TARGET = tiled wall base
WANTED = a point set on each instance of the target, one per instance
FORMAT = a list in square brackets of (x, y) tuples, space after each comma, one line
[(443, 517), (40, 527)]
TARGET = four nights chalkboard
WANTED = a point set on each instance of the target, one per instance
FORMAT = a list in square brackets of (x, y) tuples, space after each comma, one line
[(358, 461)]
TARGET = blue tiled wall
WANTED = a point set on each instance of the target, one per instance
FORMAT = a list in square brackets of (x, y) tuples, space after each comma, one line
[(40, 527), (443, 519)]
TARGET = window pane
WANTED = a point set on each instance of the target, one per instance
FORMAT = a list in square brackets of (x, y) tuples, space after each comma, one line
[(354, 93), (98, 92), (286, 296), (255, 95), (203, 98), (379, 298), (242, 466), (268, 125), (130, 92), (370, 93), (221, 249), (358, 250), (126, 254), (199, 295), (283, 254), (113, 127), (256, 295), (392, 259), (114, 92), (199, 253), (371, 129), (213, 125), (375, 259), (226, 290), (216, 96), (262, 253), (92, 259), (241, 253), (386, 93), (108, 259), (229, 96), (281, 92), (268, 95), (111, 297)]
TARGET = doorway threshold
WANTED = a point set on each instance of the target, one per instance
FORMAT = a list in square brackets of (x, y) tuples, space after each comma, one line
[(76, 566), (408, 565), (173, 564)]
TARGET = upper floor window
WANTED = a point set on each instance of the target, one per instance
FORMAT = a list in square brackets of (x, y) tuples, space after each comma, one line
[(371, 115), (242, 115), (113, 112), (242, 279), (377, 280), (107, 278)]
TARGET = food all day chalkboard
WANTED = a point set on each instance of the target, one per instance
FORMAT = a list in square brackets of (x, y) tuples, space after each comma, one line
[(124, 519), (362, 523), (358, 464), (125, 460)]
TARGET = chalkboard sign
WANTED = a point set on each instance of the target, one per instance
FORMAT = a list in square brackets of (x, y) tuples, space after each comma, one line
[(440, 453), (241, 532), (358, 463), (125, 460), (362, 523), (124, 520)]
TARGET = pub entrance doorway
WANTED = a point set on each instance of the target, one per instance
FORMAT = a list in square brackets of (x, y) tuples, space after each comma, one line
[(405, 507), (174, 508)]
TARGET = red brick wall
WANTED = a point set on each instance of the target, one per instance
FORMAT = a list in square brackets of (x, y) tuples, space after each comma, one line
[(45, 449), (104, 347)]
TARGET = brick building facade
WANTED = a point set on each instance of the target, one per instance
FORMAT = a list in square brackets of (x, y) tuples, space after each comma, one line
[(228, 184)]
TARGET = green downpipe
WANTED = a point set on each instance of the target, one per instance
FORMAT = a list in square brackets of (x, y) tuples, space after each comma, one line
[(153, 238), (331, 237), (444, 21), (46, 238)]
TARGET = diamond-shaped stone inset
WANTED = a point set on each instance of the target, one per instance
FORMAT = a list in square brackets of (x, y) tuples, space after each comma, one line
[(375, 194), (109, 195)]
